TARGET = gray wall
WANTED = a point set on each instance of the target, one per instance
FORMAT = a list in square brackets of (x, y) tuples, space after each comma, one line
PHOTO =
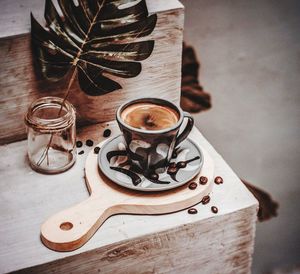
[(250, 56)]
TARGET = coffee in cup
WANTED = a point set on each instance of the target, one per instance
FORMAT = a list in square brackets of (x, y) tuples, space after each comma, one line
[(149, 116)]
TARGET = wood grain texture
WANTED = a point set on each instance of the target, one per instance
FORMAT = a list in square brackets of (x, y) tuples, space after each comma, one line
[(223, 244), (108, 199), (14, 15), (27, 198), (19, 85)]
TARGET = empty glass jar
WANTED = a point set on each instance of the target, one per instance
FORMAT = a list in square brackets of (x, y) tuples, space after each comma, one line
[(51, 135)]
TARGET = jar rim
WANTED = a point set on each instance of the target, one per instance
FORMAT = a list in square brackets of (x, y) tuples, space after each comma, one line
[(58, 123)]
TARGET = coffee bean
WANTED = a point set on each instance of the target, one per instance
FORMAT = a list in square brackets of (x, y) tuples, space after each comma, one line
[(219, 180), (81, 152), (96, 150), (205, 200), (154, 176), (106, 133), (79, 144), (214, 209), (172, 165), (64, 135), (192, 185), (181, 164), (89, 143), (203, 180), (192, 211), (172, 170)]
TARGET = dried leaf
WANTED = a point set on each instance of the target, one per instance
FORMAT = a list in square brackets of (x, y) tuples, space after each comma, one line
[(95, 37)]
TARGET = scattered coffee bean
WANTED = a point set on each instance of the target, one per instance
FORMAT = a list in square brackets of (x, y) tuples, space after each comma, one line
[(96, 150), (154, 176), (174, 154), (192, 185), (172, 165), (192, 211), (205, 200), (203, 180), (79, 144), (89, 143), (64, 135), (172, 170), (219, 180), (106, 133), (181, 164), (214, 209), (81, 152)]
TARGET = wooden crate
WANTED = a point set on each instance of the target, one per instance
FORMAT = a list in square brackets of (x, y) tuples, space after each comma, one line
[(160, 77)]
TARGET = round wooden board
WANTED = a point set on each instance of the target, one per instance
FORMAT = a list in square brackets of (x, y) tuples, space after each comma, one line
[(73, 227)]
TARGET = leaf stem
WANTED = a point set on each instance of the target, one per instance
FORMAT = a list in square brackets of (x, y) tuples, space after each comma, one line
[(45, 155), (46, 151), (74, 64)]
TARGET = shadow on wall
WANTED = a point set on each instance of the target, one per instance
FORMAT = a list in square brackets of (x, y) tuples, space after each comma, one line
[(249, 52), (194, 100)]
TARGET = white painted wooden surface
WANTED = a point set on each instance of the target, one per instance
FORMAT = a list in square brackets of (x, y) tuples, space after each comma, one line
[(15, 15), (222, 243), (19, 85)]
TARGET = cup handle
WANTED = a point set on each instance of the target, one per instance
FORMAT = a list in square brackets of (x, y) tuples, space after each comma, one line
[(190, 123)]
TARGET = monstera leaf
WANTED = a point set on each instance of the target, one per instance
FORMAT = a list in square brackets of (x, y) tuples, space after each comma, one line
[(95, 39)]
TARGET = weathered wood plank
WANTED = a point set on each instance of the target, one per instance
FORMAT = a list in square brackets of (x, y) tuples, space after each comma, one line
[(28, 198), (223, 244), (19, 85), (14, 15)]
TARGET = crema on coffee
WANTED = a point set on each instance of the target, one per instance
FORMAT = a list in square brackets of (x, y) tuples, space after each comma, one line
[(149, 116)]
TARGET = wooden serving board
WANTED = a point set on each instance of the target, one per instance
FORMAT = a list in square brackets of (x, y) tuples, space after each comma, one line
[(73, 227)]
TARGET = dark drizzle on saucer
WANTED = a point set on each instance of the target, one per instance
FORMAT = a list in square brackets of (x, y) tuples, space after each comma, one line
[(173, 168), (136, 179), (152, 176), (114, 153)]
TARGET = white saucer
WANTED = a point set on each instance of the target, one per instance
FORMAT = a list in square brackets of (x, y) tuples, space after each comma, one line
[(113, 162)]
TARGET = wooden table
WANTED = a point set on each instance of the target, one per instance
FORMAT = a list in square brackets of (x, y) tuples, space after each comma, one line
[(170, 243)]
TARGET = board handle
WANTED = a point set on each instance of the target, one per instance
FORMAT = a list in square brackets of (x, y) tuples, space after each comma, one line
[(73, 227)]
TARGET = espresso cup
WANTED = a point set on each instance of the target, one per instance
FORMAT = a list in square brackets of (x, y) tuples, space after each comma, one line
[(150, 127)]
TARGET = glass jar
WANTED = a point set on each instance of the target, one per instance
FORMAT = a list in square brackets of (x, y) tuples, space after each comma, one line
[(51, 135)]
